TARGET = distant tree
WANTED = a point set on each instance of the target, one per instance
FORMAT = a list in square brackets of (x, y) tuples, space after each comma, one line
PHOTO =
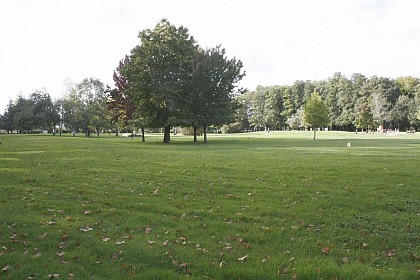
[(295, 121), (257, 109), (121, 101), (45, 115), (7, 118), (316, 113), (364, 117), (213, 83), (90, 93), (242, 113), (23, 115)]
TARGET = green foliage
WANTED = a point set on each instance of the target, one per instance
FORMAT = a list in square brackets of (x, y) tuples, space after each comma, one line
[(248, 206), (392, 103), (316, 113), (158, 73)]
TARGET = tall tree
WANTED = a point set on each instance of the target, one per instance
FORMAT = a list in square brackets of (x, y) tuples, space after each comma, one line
[(213, 84), (316, 113), (121, 101), (91, 94), (159, 73)]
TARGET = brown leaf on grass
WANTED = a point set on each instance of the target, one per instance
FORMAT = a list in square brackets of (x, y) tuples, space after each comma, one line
[(6, 268), (106, 239), (86, 212), (414, 257), (365, 245), (345, 259), (60, 254), (86, 229), (150, 242), (147, 230), (120, 242), (183, 265), (37, 255), (116, 255), (282, 270), (222, 264), (42, 236), (54, 276), (326, 250), (165, 243), (242, 259), (390, 253)]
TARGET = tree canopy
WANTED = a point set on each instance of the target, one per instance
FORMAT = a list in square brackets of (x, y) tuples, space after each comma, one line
[(316, 113)]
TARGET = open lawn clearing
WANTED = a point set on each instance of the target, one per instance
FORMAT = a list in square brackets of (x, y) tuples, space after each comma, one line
[(248, 206)]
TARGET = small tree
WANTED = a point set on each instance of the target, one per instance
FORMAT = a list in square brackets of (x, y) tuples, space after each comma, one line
[(316, 113)]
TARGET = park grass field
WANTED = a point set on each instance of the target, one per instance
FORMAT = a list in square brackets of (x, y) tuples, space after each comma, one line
[(246, 206)]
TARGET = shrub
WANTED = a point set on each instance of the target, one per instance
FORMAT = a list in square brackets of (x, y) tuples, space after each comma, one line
[(232, 128), (189, 131)]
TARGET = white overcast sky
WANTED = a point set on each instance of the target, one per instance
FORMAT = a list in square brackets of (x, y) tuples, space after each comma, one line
[(45, 42)]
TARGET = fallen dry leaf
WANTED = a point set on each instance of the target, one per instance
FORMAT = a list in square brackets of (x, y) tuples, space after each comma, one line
[(60, 254), (242, 259), (222, 263), (6, 268), (150, 241), (147, 230), (326, 250), (390, 253), (282, 270), (165, 243), (106, 239), (345, 259), (86, 229), (120, 242), (54, 276), (365, 245)]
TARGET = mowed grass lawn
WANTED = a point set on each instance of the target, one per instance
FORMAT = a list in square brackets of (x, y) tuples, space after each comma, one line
[(248, 206)]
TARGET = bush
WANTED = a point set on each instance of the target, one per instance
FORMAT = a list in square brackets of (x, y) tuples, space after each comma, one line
[(232, 128), (189, 131)]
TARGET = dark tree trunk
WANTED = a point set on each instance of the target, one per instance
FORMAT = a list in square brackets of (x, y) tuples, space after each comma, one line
[(167, 135), (205, 133), (97, 132), (143, 139), (195, 133)]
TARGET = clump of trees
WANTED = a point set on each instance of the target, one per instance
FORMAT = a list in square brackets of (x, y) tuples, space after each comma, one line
[(356, 103), (81, 108), (169, 80)]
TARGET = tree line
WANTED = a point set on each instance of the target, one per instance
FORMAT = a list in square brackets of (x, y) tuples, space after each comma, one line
[(354, 103), (168, 81)]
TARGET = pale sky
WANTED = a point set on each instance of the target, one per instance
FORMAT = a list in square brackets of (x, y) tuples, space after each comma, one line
[(43, 43)]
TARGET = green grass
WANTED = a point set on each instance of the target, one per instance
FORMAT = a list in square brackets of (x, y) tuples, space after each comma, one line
[(188, 210)]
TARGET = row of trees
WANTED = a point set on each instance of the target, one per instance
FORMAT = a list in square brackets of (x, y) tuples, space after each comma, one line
[(169, 80), (82, 108), (358, 102)]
